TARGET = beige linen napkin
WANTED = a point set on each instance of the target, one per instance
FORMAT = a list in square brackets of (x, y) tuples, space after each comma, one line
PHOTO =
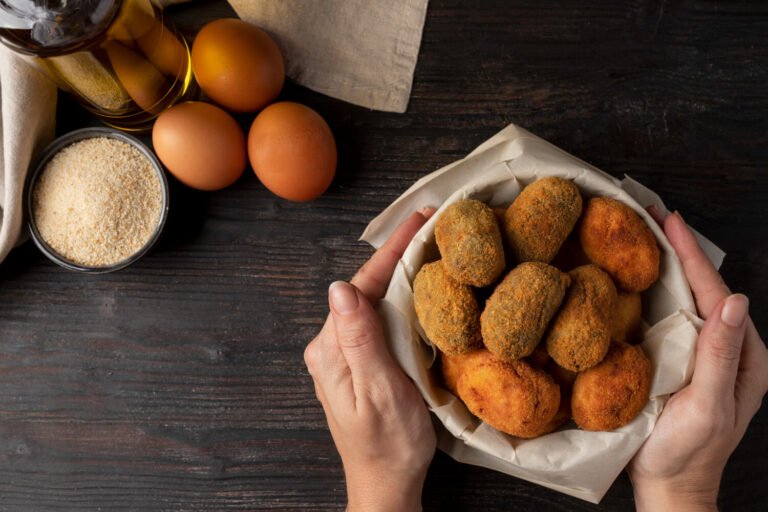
[(360, 51), (27, 120)]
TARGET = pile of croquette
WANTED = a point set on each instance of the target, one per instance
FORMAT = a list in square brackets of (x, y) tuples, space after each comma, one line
[(535, 309)]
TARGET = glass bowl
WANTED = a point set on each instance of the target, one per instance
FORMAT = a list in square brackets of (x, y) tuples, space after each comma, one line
[(66, 140)]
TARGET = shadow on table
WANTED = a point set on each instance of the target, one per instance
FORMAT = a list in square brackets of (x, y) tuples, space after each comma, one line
[(186, 214)]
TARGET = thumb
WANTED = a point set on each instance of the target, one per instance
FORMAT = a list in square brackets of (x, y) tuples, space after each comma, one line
[(359, 334), (719, 349)]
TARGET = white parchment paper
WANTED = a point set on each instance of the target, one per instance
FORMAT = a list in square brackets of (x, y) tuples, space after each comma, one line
[(579, 463)]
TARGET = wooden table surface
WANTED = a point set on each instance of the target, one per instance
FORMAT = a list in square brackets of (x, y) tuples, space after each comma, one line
[(179, 383)]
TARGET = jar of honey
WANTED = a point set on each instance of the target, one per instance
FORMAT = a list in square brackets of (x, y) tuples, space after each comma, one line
[(120, 58)]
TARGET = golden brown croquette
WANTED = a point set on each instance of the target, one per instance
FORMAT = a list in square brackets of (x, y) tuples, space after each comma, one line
[(517, 313), (447, 310), (581, 331), (541, 218), (514, 398), (469, 240), (613, 393), (616, 239)]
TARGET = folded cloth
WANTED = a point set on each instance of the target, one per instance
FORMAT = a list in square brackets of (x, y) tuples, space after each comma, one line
[(27, 121), (360, 51)]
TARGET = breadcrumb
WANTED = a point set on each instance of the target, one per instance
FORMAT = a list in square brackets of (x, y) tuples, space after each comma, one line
[(97, 202)]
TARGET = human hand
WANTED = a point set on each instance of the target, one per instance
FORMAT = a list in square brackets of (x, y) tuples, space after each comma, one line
[(376, 415), (680, 465)]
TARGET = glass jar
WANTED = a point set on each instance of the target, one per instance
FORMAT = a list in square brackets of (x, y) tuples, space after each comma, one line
[(119, 58)]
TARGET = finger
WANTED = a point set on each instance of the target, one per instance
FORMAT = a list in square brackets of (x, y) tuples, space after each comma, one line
[(719, 351), (754, 345), (752, 380), (328, 368), (320, 351), (373, 278), (360, 337), (327, 410), (706, 284), (330, 416)]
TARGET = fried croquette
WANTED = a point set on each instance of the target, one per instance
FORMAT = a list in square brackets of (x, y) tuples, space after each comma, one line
[(517, 313), (616, 239), (541, 218), (448, 311), (581, 331), (612, 393), (453, 367), (514, 398), (626, 318), (469, 241)]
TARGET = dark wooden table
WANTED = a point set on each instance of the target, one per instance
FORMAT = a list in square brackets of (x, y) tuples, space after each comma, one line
[(179, 384)]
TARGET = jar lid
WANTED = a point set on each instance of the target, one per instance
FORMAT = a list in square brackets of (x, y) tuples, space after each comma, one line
[(44, 26)]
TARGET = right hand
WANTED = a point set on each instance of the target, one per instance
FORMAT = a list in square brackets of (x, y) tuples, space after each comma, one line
[(377, 417), (680, 465)]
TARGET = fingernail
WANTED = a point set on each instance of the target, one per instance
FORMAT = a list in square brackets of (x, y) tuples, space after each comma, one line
[(343, 297), (735, 310), (677, 212)]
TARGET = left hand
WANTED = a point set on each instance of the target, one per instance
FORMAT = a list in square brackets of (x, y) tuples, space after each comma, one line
[(376, 416), (680, 465)]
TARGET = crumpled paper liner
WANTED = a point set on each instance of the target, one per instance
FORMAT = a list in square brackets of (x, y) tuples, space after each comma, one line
[(576, 462)]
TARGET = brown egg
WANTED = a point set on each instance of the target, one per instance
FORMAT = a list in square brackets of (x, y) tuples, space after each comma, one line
[(292, 151), (200, 144), (238, 65)]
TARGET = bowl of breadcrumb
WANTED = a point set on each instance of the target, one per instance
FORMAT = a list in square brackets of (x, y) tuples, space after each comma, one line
[(97, 200)]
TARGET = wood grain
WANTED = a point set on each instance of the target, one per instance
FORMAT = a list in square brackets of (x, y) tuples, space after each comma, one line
[(179, 383)]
